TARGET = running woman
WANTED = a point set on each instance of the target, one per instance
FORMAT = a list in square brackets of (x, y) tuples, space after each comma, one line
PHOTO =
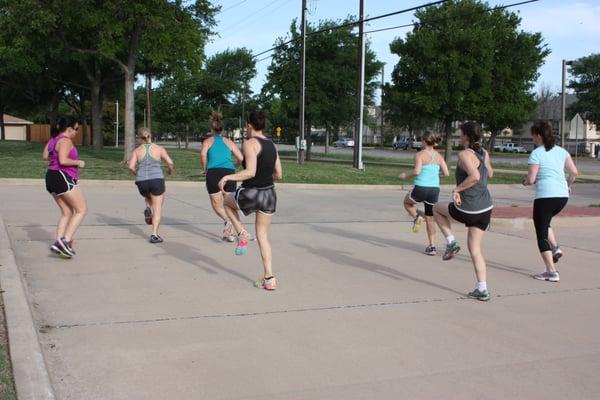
[(145, 164), (62, 183), (547, 164), (257, 193), (471, 204), (426, 187), (216, 163)]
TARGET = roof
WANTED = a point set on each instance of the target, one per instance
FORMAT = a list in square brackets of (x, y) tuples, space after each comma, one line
[(10, 120)]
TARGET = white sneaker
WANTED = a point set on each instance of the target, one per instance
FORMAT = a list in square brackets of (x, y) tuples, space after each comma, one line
[(547, 276)]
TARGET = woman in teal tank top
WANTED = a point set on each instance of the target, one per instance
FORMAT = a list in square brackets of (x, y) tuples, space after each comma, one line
[(216, 163), (426, 189)]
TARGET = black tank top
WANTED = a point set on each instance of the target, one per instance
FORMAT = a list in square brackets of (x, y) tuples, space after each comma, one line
[(265, 165)]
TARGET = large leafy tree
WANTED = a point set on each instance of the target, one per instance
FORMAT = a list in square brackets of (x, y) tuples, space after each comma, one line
[(462, 61), (331, 76), (586, 84)]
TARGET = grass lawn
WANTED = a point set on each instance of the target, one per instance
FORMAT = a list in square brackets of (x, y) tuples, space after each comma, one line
[(7, 387), (23, 160)]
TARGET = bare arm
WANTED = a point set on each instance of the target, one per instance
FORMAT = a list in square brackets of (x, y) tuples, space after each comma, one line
[(235, 150), (45, 152), (64, 146), (165, 156), (132, 164), (488, 165), (571, 171), (250, 149), (416, 170), (468, 162), (444, 166), (204, 153), (278, 173), (532, 171)]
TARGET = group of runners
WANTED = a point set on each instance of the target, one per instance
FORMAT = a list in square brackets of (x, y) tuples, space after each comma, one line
[(471, 202)]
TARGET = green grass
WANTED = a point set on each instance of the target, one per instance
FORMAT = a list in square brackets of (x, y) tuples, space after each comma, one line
[(23, 160), (7, 387)]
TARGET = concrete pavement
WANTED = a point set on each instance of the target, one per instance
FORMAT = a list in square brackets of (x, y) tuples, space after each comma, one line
[(360, 312)]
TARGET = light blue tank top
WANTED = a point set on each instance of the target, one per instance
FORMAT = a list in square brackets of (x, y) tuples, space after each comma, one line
[(550, 180), (148, 167), (219, 155), (430, 174)]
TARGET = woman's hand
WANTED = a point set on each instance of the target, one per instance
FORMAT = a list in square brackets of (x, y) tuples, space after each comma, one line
[(223, 182), (403, 175), (80, 163), (456, 198)]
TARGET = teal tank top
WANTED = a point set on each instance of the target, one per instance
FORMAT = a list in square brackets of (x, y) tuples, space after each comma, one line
[(430, 174), (219, 155)]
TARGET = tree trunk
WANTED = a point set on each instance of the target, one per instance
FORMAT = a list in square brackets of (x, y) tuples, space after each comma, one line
[(82, 116), (179, 140), (326, 140), (308, 140), (129, 112), (187, 134), (2, 134), (96, 100), (492, 142), (54, 107), (448, 140)]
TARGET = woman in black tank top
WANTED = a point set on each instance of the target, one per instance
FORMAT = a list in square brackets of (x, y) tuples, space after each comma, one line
[(257, 193)]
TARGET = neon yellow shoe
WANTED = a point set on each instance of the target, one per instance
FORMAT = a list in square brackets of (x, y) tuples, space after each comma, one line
[(419, 219)]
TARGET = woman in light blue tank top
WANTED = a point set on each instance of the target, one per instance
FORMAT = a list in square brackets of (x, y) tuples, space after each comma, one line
[(146, 164), (216, 163), (426, 189)]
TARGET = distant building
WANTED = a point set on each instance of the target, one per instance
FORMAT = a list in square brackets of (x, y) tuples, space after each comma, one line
[(15, 128)]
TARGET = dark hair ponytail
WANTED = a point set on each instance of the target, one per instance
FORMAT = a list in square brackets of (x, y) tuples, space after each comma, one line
[(62, 124), (216, 121), (544, 129), (257, 119), (472, 130), (431, 138)]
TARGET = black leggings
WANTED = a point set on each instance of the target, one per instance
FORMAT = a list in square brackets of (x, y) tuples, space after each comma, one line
[(543, 211)]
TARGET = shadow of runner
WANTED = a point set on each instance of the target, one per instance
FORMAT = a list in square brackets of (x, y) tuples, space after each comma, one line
[(344, 259), (37, 233), (188, 227), (134, 229)]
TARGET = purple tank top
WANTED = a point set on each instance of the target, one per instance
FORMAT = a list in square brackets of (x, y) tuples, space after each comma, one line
[(54, 164)]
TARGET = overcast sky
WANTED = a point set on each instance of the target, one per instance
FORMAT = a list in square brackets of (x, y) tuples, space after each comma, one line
[(571, 29)]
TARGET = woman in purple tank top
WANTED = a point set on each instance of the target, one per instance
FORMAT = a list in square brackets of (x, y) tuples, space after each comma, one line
[(61, 183)]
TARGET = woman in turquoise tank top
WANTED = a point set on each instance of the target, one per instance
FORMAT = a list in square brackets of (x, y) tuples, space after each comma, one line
[(216, 163), (426, 189)]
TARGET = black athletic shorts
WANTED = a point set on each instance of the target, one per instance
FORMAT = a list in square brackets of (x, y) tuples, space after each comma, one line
[(481, 220), (149, 187), (426, 195), (214, 175), (59, 182), (251, 200)]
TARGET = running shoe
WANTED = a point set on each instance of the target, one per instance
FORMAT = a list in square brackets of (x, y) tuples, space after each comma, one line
[(556, 254), (228, 233), (148, 215), (479, 295), (416, 228), (451, 250), (65, 246), (547, 276), (430, 250), (242, 243), (267, 284), (57, 249), (155, 239)]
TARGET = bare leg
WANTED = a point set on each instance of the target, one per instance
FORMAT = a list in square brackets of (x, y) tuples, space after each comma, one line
[(548, 261), (76, 201), (65, 216), (410, 206), (442, 218), (430, 229), (474, 236), (552, 238), (263, 223), (156, 203), (216, 201), (231, 210)]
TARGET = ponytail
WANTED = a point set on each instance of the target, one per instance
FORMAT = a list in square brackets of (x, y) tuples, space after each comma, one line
[(472, 130), (544, 130), (431, 138), (62, 124), (216, 122)]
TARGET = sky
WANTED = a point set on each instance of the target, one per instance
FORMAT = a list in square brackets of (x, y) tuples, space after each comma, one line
[(571, 29)]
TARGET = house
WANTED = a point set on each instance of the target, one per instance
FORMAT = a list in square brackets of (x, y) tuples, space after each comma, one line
[(15, 128)]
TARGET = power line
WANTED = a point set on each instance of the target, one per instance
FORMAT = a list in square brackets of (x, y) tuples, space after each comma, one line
[(232, 6), (251, 15)]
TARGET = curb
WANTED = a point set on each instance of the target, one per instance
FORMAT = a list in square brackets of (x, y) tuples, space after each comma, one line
[(29, 367), (520, 224)]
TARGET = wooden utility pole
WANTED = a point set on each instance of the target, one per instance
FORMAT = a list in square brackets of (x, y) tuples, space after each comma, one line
[(301, 150), (358, 131)]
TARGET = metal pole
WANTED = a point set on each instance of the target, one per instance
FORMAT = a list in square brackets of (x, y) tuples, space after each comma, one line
[(381, 102), (302, 81), (149, 101), (576, 137), (358, 132), (117, 124), (563, 101)]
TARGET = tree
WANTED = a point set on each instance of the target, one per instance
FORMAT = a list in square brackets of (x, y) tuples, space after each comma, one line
[(455, 65), (586, 84), (331, 76)]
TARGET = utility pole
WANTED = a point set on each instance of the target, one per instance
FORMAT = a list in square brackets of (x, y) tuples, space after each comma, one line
[(563, 101), (302, 81), (149, 101), (358, 131), (381, 102), (117, 124)]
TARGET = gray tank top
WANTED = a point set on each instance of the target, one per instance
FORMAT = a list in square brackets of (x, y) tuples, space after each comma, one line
[(477, 198), (148, 167)]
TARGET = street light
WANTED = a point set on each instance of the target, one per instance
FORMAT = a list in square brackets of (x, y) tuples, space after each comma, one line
[(563, 101)]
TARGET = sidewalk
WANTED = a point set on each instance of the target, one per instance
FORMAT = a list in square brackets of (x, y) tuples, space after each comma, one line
[(360, 312)]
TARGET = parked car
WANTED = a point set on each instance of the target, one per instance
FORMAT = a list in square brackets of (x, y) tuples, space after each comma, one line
[(402, 144), (510, 148), (344, 142), (416, 145)]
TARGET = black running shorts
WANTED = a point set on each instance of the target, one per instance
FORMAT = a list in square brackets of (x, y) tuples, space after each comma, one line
[(251, 200), (481, 220), (59, 182), (426, 195), (154, 187), (214, 175)]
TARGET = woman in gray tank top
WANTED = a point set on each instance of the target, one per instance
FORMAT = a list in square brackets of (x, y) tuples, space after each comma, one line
[(146, 164), (471, 204)]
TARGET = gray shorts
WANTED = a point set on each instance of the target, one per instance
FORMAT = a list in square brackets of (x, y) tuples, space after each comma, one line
[(251, 200)]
